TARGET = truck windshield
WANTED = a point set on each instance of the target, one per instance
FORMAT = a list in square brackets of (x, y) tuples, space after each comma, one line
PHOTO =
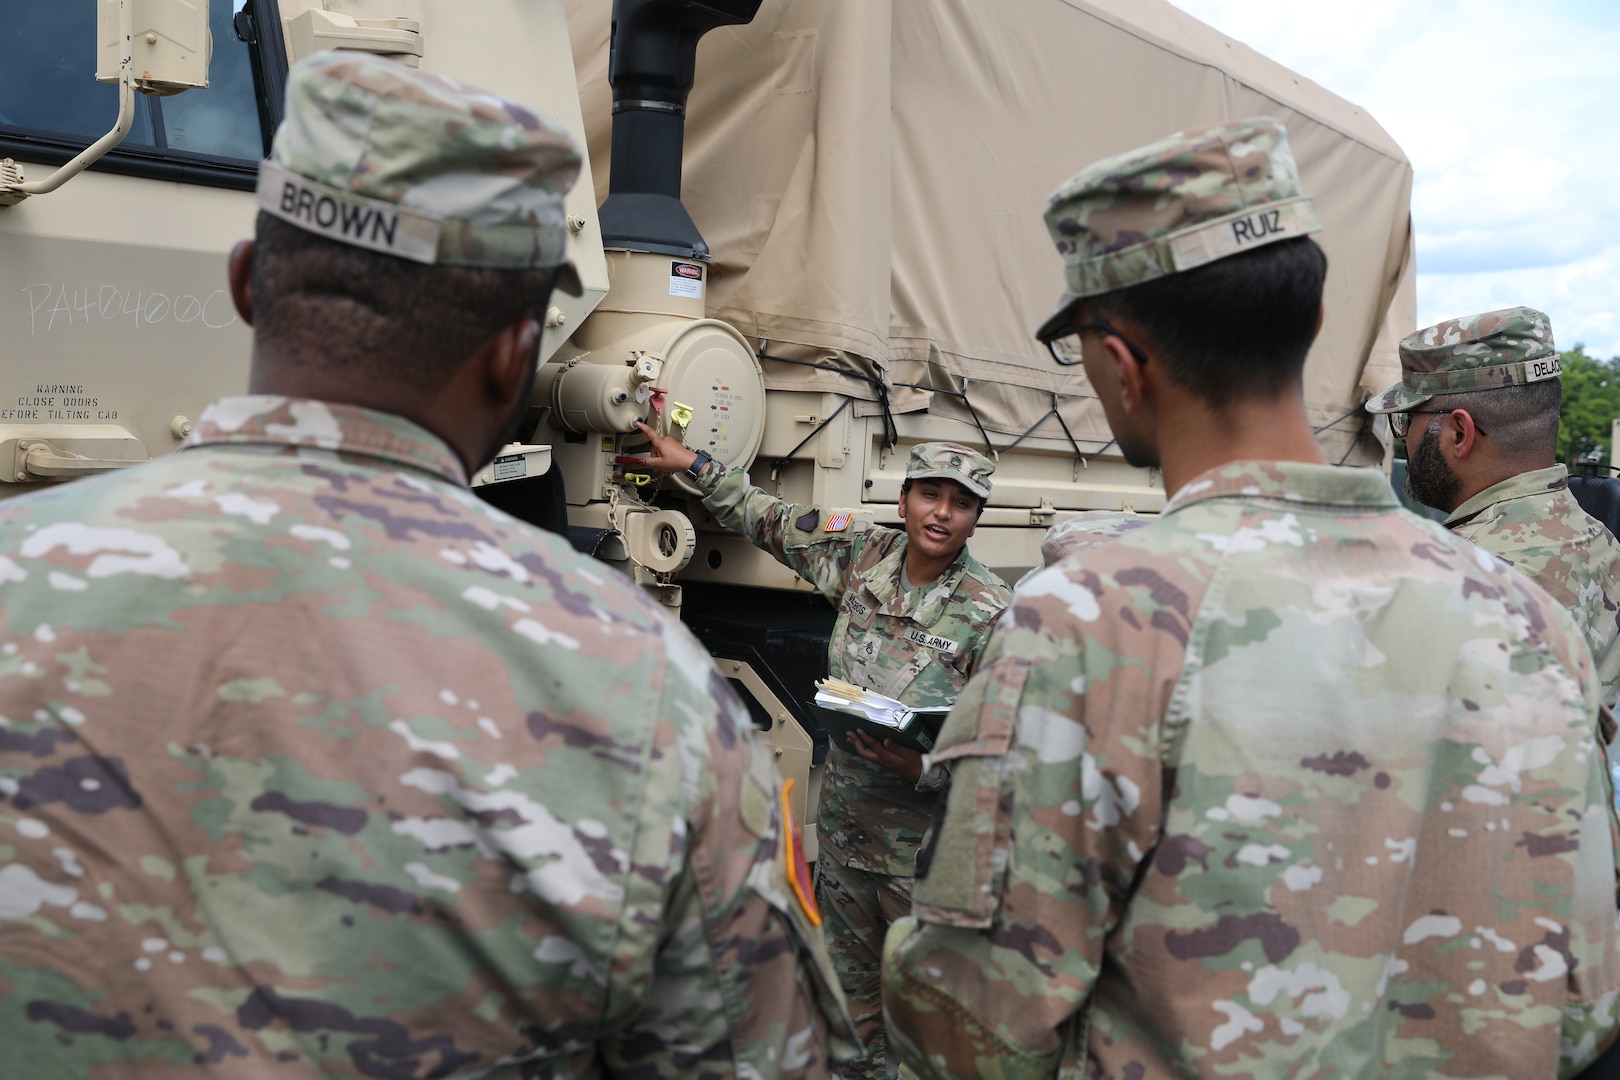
[(48, 86)]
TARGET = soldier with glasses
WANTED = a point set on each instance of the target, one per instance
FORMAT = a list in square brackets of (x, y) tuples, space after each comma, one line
[(1503, 488)]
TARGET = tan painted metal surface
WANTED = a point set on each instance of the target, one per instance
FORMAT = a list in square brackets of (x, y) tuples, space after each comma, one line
[(113, 310), (792, 746), (113, 305)]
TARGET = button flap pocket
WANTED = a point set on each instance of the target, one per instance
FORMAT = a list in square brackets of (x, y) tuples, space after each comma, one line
[(960, 883)]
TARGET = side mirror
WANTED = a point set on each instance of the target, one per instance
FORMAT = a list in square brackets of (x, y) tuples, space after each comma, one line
[(168, 46), (158, 47)]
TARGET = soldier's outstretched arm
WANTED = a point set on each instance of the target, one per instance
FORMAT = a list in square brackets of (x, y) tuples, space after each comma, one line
[(1022, 880), (815, 543), (729, 977)]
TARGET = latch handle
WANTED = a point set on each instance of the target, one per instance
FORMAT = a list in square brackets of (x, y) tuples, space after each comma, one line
[(317, 29), (46, 462)]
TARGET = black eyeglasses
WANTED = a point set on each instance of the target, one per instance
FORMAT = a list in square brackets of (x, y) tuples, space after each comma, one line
[(1065, 347), (1401, 422)]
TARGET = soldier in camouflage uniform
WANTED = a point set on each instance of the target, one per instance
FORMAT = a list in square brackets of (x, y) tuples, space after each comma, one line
[(313, 765), (1085, 529), (914, 612), (1288, 781), (1489, 387)]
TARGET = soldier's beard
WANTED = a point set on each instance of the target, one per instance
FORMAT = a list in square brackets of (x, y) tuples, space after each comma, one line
[(1429, 478)]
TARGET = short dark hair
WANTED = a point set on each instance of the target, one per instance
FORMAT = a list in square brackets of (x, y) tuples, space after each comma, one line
[(1523, 420), (1235, 328), (905, 486), (340, 306)]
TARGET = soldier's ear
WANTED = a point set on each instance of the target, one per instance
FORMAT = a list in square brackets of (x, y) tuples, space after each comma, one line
[(1460, 434), (509, 356), (1132, 376), (239, 271)]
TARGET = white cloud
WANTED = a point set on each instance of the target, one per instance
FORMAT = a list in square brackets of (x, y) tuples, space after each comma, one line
[(1581, 296), (1509, 124)]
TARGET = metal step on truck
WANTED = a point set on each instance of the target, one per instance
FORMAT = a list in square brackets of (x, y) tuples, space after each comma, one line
[(809, 232)]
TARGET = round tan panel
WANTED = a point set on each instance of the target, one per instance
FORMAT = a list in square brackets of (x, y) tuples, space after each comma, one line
[(709, 369)]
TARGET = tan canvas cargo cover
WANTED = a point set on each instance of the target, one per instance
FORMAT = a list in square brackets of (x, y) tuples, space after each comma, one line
[(869, 175)]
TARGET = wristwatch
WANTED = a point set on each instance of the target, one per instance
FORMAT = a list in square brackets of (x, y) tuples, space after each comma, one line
[(695, 470)]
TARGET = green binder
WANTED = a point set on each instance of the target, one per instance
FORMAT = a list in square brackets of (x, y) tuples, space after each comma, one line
[(920, 731)]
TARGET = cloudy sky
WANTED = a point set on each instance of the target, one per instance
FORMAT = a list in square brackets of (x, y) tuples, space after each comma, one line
[(1510, 115)]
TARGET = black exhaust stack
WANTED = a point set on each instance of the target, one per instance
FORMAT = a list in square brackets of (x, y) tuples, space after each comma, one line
[(653, 54)]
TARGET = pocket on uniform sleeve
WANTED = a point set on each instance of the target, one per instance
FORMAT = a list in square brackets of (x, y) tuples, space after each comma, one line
[(964, 856), (783, 882), (811, 945)]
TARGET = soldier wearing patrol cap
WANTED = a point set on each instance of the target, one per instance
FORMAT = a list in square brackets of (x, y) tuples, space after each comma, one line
[(315, 765), (1489, 390), (914, 612), (1287, 781)]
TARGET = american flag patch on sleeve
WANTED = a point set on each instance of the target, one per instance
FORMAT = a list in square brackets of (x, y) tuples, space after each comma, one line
[(837, 522)]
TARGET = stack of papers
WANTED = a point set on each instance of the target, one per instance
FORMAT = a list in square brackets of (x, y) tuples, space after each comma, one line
[(881, 716), (846, 697)]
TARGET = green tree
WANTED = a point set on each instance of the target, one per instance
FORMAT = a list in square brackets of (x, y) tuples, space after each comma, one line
[(1591, 404)]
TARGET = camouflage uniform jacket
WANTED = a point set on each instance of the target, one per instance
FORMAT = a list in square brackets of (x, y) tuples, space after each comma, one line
[(916, 645), (1533, 521), (314, 765), (1289, 782)]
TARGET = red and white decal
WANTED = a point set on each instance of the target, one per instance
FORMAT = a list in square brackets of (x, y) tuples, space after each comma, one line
[(686, 279)]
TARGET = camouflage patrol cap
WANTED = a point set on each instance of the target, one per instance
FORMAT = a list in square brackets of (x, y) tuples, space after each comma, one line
[(1174, 205), (1510, 347), (385, 157), (967, 467)]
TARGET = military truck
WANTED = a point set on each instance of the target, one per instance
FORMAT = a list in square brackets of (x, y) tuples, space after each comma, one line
[(808, 229)]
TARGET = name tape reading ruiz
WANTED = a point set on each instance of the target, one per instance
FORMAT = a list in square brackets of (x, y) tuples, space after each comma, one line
[(1237, 232)]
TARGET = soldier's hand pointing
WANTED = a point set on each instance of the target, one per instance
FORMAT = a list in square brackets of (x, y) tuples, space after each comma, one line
[(666, 456)]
